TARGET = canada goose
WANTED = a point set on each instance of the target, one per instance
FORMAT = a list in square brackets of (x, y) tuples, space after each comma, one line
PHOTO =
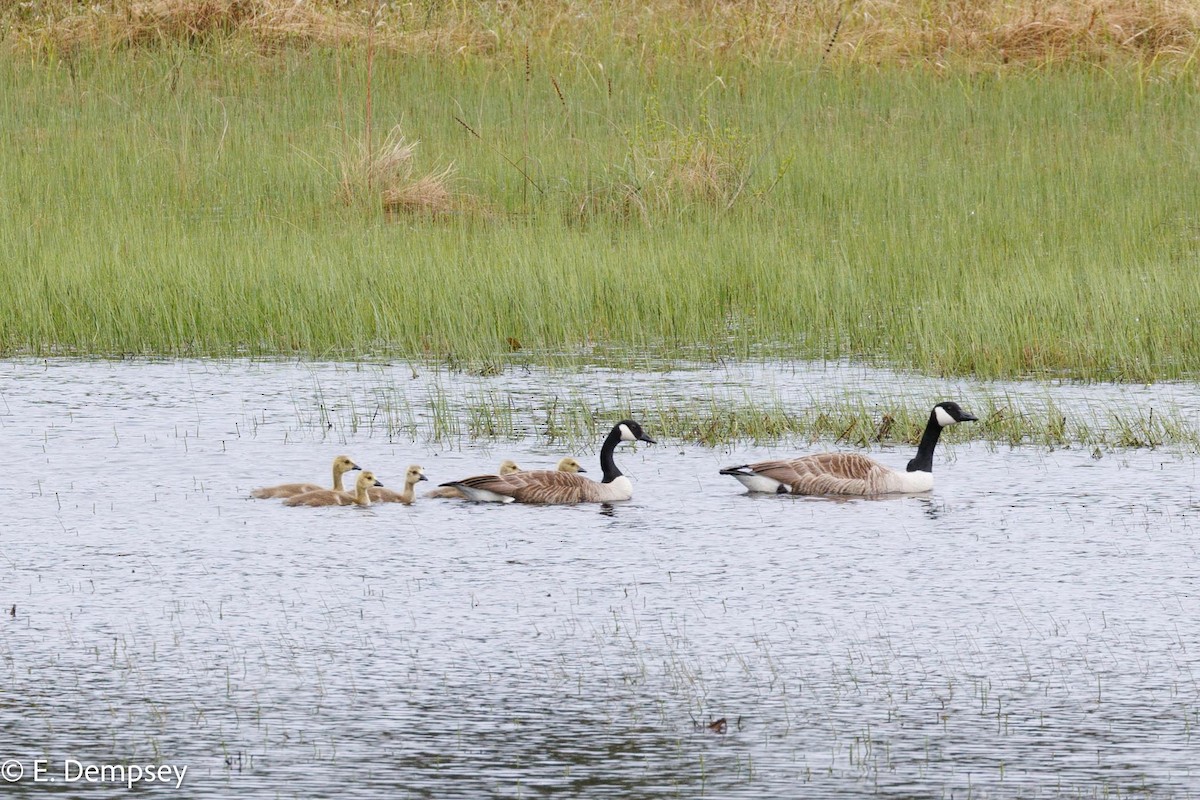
[(552, 486), (851, 473), (341, 465), (507, 467), (328, 497), (413, 476)]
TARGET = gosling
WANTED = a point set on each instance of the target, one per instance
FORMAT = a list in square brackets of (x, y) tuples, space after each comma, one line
[(412, 477), (328, 497)]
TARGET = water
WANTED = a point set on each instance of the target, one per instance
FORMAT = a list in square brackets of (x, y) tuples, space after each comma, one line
[(1025, 630)]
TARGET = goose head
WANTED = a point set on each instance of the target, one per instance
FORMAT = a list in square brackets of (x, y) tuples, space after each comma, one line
[(632, 432), (366, 480), (569, 464), (414, 475), (343, 464), (950, 413), (508, 467)]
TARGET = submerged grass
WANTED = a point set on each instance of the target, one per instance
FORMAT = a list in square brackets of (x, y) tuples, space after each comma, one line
[(190, 199), (574, 419)]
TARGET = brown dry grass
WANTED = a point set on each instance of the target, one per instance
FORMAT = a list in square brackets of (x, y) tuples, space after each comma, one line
[(1029, 32), (703, 174), (387, 176), (691, 172)]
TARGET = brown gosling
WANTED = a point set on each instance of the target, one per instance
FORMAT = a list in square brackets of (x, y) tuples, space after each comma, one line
[(411, 478), (507, 467), (341, 465), (328, 497)]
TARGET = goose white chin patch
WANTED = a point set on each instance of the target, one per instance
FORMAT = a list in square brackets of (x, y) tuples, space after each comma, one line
[(626, 434), (943, 417)]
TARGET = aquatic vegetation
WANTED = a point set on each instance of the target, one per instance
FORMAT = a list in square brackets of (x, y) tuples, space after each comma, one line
[(571, 417)]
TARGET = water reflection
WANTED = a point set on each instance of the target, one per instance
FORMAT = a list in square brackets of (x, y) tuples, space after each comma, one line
[(1026, 630)]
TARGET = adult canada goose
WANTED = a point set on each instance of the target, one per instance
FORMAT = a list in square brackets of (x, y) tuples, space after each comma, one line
[(341, 465), (552, 486), (851, 473), (328, 497), (507, 467), (413, 476)]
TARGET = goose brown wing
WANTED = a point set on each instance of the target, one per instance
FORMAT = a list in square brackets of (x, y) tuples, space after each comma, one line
[(549, 486), (824, 473), (539, 486)]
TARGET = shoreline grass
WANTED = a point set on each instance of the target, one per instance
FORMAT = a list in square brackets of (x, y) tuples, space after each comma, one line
[(190, 198)]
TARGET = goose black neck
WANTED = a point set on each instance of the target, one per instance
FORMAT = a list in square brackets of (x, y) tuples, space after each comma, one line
[(611, 473), (923, 462)]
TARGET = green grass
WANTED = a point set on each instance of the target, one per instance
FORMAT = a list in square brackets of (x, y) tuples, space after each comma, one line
[(185, 201)]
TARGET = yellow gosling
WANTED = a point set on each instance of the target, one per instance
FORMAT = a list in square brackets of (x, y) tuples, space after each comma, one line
[(413, 476), (341, 465), (568, 464), (328, 497)]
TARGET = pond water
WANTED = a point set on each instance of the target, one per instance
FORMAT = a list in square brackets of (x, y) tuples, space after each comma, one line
[(1028, 629)]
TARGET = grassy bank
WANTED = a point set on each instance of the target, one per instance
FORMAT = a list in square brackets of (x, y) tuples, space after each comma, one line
[(210, 198)]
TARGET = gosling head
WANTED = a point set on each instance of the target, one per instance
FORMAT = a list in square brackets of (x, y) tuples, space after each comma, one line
[(949, 413), (343, 464), (632, 432), (366, 480), (508, 467), (569, 464), (414, 475)]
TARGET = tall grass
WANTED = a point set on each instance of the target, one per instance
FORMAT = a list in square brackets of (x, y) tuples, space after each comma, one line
[(188, 199)]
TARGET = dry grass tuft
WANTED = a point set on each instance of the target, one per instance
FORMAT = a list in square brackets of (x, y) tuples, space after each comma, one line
[(669, 169), (704, 173), (615, 200), (388, 176)]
